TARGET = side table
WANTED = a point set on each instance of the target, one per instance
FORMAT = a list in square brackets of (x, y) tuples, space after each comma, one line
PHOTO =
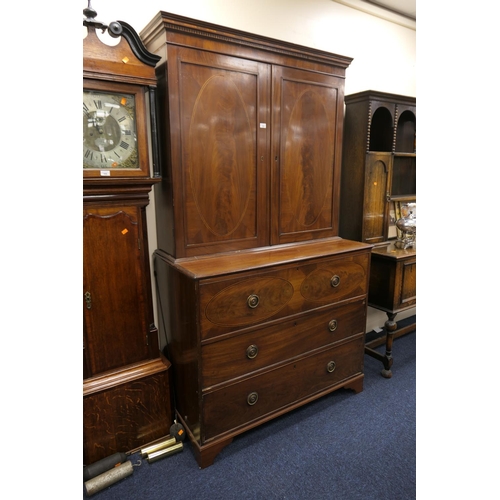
[(393, 279)]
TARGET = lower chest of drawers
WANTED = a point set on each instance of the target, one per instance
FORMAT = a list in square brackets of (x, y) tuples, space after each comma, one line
[(244, 402), (247, 345)]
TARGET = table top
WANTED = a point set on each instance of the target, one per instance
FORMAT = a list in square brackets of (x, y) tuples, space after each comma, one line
[(391, 252)]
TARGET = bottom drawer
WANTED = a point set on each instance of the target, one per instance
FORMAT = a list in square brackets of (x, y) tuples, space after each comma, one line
[(244, 402)]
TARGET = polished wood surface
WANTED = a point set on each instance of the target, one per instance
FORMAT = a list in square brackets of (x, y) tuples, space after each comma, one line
[(265, 305), (240, 404), (393, 278), (264, 257), (126, 387), (132, 405), (378, 162), (393, 289), (252, 135), (306, 130), (114, 62), (118, 314), (233, 357), (300, 319), (117, 68)]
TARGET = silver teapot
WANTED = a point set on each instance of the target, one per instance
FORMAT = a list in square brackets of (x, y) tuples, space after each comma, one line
[(407, 226)]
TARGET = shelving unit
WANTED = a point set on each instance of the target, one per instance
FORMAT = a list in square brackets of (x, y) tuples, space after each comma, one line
[(379, 168), (378, 164)]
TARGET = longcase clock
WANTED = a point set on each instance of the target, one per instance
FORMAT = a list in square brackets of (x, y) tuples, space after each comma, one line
[(126, 387)]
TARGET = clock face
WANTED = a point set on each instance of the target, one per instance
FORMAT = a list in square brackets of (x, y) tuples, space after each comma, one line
[(109, 131)]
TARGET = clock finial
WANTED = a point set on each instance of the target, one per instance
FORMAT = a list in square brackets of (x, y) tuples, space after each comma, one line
[(90, 14)]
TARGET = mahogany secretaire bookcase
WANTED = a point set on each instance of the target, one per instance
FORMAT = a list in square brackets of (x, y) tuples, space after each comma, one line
[(264, 304)]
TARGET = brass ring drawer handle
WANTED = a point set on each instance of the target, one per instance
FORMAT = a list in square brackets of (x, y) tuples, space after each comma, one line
[(252, 398), (330, 367), (253, 301), (252, 351), (332, 325), (335, 281)]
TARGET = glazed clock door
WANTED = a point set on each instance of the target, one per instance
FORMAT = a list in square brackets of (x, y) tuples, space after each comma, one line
[(306, 155), (224, 128), (115, 311)]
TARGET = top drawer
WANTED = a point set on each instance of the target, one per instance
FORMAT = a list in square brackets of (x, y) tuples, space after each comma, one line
[(247, 299)]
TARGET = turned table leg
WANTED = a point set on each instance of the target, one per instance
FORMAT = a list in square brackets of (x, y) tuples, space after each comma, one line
[(390, 327)]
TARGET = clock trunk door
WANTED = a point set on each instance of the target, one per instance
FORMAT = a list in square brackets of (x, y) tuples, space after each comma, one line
[(306, 155), (116, 333)]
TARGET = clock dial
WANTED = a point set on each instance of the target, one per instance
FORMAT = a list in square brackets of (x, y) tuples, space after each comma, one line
[(109, 133)]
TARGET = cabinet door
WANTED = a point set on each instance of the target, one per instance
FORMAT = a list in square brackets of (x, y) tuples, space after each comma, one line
[(219, 160), (114, 287), (377, 189), (307, 133)]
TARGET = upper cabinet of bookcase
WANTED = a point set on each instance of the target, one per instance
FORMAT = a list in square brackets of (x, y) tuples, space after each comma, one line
[(378, 164), (251, 136)]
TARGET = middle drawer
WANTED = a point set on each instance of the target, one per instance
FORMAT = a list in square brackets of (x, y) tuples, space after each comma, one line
[(239, 355)]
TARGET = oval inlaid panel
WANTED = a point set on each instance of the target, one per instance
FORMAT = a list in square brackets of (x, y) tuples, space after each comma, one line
[(230, 308), (220, 151), (308, 165), (317, 286)]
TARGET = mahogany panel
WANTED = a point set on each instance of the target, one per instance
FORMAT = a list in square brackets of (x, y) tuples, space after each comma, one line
[(262, 347), (307, 143), (116, 307), (110, 62), (288, 290), (375, 201), (233, 305), (126, 409), (218, 119), (393, 278), (255, 397), (178, 307), (409, 282), (267, 257), (218, 135)]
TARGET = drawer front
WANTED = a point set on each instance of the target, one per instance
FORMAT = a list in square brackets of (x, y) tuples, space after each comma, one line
[(249, 299), (242, 403), (243, 354)]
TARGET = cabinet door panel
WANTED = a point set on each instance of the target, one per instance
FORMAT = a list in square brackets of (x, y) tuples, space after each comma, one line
[(306, 162), (408, 283), (375, 200), (114, 302), (223, 167)]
